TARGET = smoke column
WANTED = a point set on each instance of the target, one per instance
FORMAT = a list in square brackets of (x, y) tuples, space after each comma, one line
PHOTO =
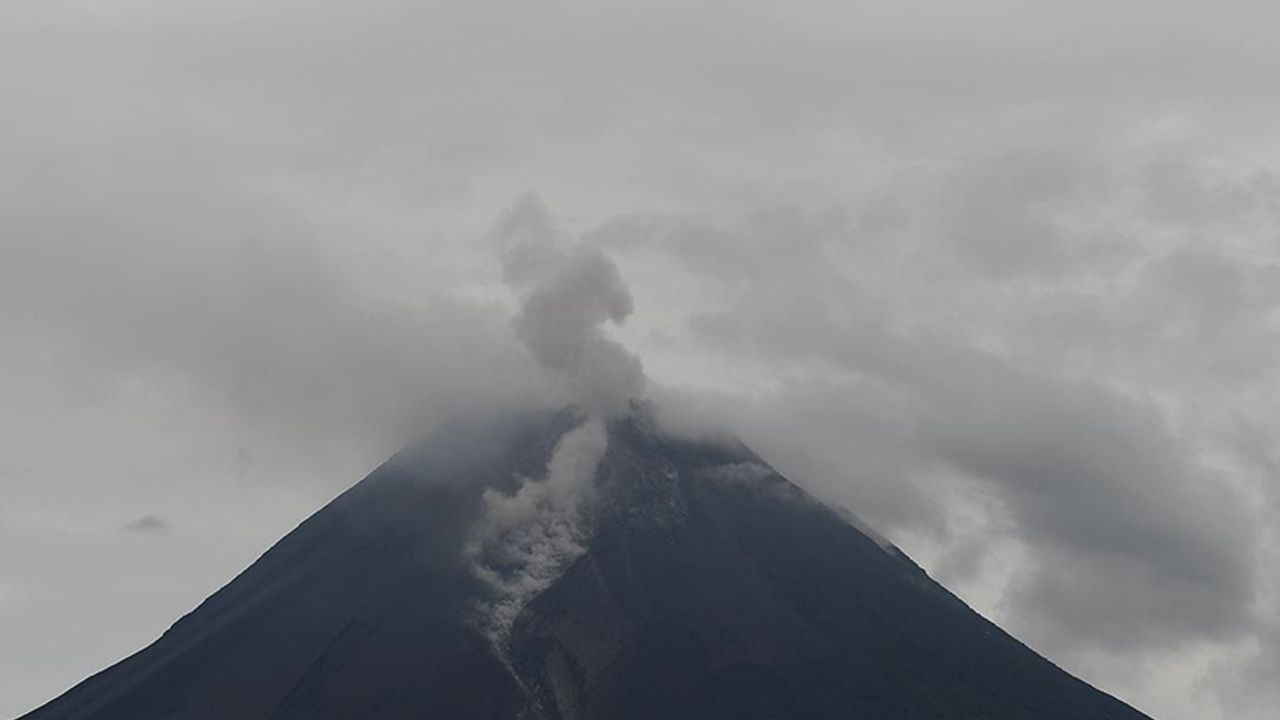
[(525, 540)]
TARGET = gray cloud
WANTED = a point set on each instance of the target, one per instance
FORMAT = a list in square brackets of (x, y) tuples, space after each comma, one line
[(149, 524), (270, 332), (1080, 398)]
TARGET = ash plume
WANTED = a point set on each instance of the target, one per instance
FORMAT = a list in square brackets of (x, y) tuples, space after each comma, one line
[(567, 298), (523, 541)]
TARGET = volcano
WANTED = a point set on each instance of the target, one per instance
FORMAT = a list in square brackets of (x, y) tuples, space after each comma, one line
[(705, 586)]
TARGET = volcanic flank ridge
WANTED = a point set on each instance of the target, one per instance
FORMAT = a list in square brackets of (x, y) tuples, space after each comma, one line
[(661, 578)]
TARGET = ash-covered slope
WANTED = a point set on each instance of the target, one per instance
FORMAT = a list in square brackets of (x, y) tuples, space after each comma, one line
[(709, 587)]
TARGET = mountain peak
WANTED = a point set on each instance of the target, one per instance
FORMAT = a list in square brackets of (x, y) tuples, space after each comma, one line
[(633, 575)]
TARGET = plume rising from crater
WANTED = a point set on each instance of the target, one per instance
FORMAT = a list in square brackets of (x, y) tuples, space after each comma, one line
[(525, 539)]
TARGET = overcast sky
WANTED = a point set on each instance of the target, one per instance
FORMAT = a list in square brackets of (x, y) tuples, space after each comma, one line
[(1001, 277)]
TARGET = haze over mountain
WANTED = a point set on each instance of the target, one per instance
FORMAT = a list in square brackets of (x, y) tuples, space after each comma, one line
[(676, 578)]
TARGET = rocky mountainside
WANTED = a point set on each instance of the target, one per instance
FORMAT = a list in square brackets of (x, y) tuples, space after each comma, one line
[(705, 586)]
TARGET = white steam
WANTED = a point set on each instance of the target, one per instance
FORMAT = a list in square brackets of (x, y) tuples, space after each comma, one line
[(524, 541)]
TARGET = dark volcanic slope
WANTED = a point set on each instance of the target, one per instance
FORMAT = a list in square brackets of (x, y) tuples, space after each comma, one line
[(358, 613), (713, 588)]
